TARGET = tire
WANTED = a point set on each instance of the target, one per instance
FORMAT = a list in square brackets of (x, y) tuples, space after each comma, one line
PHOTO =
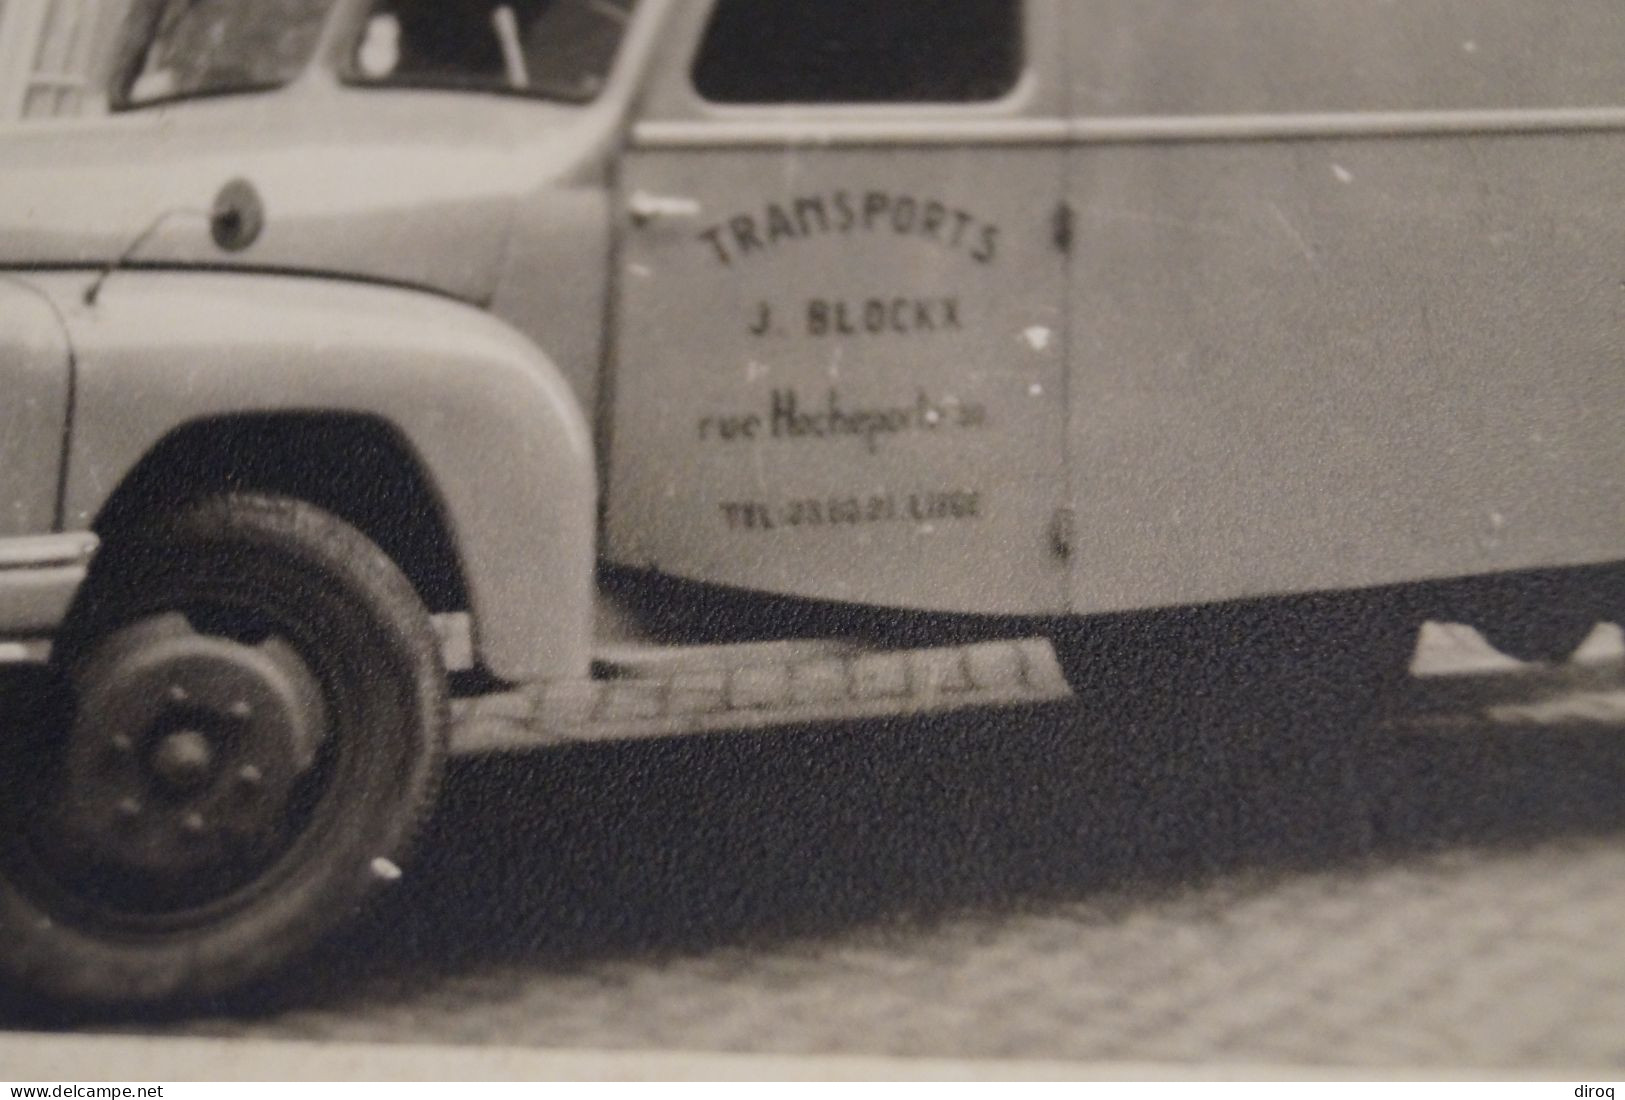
[(225, 871), (1542, 618), (1547, 636)]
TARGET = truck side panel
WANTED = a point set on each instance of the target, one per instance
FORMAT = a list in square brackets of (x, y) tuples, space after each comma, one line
[(1314, 352)]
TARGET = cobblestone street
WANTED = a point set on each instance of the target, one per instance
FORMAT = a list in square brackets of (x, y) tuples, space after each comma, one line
[(1168, 883), (1469, 959)]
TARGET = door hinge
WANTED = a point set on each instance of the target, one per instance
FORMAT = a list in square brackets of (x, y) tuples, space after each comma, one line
[(1063, 533), (1063, 226)]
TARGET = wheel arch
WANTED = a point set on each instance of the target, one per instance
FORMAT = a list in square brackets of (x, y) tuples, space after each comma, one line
[(355, 466)]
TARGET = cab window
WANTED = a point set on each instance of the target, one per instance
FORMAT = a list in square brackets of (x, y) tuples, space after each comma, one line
[(860, 51), (554, 49), (174, 49)]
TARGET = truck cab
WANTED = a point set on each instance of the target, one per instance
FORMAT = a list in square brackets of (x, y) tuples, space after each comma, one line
[(404, 377)]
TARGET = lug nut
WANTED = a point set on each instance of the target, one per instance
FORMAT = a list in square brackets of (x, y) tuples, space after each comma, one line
[(240, 710), (128, 808), (123, 743), (193, 823), (250, 776), (178, 694)]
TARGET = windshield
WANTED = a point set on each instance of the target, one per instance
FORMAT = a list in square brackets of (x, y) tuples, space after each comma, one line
[(556, 49), (179, 48)]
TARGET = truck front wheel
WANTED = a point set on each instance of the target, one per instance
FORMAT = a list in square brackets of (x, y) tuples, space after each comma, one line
[(255, 725)]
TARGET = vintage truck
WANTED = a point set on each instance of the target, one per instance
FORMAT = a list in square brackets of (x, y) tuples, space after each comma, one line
[(382, 379)]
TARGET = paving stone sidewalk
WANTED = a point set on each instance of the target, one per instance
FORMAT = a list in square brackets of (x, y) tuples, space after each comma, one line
[(1510, 961)]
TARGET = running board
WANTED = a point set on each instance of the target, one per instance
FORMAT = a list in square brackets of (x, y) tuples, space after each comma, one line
[(660, 692)]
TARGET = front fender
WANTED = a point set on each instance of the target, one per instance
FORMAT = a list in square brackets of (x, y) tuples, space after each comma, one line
[(496, 428), (35, 369)]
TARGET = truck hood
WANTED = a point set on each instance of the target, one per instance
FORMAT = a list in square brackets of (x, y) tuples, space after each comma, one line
[(416, 188)]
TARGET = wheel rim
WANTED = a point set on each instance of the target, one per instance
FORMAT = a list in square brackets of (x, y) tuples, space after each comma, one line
[(181, 765), (165, 810)]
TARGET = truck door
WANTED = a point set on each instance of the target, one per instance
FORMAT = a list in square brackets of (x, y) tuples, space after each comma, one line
[(839, 335)]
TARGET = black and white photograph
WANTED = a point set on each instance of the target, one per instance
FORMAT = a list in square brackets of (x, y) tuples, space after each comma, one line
[(918, 538)]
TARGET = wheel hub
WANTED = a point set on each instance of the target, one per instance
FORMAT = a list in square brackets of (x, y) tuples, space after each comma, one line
[(185, 752), (184, 760)]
